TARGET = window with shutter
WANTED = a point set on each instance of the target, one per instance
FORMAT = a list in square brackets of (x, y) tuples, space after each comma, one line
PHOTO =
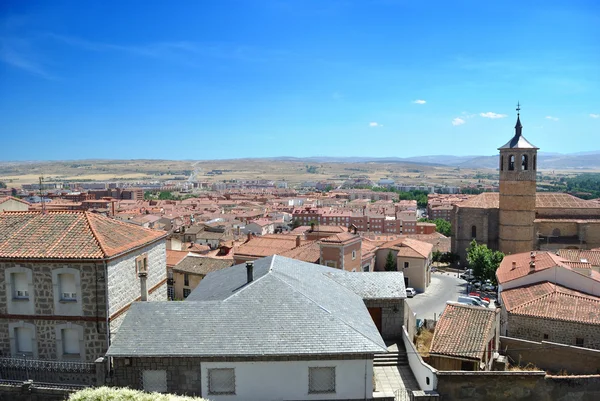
[(24, 340), (70, 338), (68, 288), (20, 285)]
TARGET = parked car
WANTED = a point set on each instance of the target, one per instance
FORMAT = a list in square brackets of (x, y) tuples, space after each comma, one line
[(470, 301), (488, 287), (476, 294), (410, 292), (477, 297), (476, 284)]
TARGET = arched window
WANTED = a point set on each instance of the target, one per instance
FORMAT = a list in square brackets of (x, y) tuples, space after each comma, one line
[(534, 162), (511, 162), (501, 163), (524, 162), (473, 232)]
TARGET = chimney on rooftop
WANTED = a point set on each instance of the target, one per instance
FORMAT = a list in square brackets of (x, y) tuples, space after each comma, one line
[(514, 265), (298, 241), (249, 271), (532, 261)]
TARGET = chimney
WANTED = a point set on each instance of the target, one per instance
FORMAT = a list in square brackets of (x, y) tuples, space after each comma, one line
[(532, 262), (249, 236), (514, 265), (143, 289), (249, 271), (298, 241)]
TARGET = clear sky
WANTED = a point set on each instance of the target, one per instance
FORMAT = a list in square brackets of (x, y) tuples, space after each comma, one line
[(253, 78)]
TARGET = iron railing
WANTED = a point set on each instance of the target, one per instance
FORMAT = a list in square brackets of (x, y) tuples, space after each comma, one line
[(65, 373)]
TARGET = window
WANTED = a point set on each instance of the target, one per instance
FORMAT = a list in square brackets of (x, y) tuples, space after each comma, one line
[(20, 288), (221, 381), (474, 232), (511, 162), (321, 380), (24, 340), (186, 279), (353, 255), (466, 365), (579, 342), (70, 341), (154, 381), (545, 336), (524, 162), (141, 264), (22, 337), (66, 283), (170, 292), (330, 263), (534, 162), (406, 264), (501, 163), (186, 292)]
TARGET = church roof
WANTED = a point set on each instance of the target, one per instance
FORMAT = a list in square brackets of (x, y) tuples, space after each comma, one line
[(543, 200), (518, 141)]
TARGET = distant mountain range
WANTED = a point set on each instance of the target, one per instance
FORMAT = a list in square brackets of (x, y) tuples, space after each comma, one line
[(580, 160)]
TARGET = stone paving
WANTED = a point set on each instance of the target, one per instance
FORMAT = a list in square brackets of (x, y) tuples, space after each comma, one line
[(389, 379)]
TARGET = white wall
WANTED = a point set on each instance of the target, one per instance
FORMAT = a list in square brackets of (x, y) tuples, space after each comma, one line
[(420, 369), (263, 381), (124, 284)]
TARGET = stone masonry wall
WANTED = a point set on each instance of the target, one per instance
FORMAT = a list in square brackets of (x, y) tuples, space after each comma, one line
[(516, 386), (124, 284), (93, 318), (533, 329), (391, 320)]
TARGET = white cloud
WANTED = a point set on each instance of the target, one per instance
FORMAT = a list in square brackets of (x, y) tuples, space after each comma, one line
[(374, 124), (595, 115), (419, 101), (551, 118), (490, 114), (458, 121)]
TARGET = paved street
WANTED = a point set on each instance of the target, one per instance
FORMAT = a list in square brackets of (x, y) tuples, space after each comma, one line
[(443, 288)]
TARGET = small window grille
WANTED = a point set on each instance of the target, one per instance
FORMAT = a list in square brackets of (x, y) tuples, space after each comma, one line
[(154, 381), (221, 381), (321, 380)]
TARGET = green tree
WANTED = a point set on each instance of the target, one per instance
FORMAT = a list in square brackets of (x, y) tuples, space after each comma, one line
[(390, 262), (165, 195), (13, 191), (436, 256), (483, 261), (441, 226), (295, 224), (2, 185)]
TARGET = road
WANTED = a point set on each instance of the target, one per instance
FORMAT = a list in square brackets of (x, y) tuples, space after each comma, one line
[(443, 288)]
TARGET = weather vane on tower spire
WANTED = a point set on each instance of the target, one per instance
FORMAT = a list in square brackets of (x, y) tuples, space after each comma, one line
[(518, 108)]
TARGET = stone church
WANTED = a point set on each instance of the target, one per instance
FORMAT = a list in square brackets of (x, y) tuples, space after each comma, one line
[(519, 219)]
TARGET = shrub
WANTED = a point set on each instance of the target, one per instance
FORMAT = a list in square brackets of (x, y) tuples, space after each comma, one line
[(124, 394)]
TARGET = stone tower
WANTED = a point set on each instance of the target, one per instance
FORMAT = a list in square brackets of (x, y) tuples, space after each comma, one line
[(518, 166)]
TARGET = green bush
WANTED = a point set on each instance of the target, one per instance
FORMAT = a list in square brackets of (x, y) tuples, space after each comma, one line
[(124, 394)]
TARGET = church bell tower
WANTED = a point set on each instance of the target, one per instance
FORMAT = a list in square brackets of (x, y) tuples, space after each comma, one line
[(518, 168)]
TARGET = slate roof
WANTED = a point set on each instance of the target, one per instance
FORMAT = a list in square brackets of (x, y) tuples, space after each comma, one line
[(462, 331), (201, 265), (69, 235), (290, 308), (552, 301)]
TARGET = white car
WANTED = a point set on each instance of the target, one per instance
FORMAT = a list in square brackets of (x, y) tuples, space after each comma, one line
[(410, 292)]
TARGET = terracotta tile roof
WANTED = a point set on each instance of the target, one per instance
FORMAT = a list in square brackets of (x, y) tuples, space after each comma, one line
[(69, 235), (174, 257), (463, 331), (552, 301), (409, 247), (341, 238), (7, 198), (267, 245), (543, 260), (201, 265), (491, 200), (578, 265), (309, 252), (576, 255)]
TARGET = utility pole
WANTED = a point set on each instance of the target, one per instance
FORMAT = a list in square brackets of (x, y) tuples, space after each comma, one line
[(42, 195)]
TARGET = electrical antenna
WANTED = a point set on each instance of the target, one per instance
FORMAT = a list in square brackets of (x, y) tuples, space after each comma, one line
[(42, 195)]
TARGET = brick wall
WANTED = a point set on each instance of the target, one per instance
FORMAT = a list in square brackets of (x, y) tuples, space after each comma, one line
[(533, 329)]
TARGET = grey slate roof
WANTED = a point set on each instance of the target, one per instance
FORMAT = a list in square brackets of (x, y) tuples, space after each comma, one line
[(290, 308), (201, 265), (373, 285), (518, 141)]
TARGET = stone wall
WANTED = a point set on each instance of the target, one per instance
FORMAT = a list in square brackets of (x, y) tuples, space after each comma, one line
[(486, 222), (45, 319), (534, 329), (551, 357), (392, 316), (516, 386), (124, 284)]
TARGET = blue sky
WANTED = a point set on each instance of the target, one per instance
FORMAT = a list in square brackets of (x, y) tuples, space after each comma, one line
[(228, 79)]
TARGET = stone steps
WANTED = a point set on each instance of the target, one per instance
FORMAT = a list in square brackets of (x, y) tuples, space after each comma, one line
[(390, 359)]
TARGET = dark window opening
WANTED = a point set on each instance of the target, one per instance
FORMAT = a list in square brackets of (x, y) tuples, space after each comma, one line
[(545, 336), (534, 162), (524, 162), (579, 342), (186, 280), (474, 232), (511, 162), (501, 163)]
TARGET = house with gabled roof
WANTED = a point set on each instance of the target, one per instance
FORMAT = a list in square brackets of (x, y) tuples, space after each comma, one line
[(12, 204), (413, 259), (272, 329), (69, 278)]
